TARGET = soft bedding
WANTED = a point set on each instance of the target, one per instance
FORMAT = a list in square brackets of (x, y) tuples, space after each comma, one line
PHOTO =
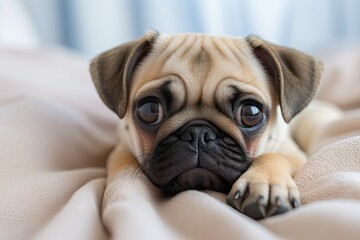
[(55, 136)]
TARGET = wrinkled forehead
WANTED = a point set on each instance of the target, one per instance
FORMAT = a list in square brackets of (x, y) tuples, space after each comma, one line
[(202, 63)]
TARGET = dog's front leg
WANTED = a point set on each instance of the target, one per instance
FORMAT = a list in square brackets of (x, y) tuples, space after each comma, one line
[(120, 159), (267, 188)]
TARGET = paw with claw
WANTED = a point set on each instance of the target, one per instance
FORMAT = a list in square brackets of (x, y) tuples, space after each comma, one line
[(264, 190)]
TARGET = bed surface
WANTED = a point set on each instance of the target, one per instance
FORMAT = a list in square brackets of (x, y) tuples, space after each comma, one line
[(56, 134)]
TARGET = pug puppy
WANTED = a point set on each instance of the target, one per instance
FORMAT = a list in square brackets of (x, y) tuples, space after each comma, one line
[(210, 113)]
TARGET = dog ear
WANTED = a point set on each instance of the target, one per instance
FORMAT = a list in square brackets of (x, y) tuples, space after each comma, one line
[(112, 71), (296, 75)]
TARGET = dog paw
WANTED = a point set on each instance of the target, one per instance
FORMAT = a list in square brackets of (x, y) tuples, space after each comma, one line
[(262, 199)]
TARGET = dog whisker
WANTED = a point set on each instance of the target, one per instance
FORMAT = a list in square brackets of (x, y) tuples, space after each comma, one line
[(252, 80)]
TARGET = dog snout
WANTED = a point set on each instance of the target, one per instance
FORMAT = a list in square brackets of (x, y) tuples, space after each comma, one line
[(198, 134)]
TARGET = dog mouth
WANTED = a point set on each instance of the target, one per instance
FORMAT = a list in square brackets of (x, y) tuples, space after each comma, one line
[(197, 179), (197, 156)]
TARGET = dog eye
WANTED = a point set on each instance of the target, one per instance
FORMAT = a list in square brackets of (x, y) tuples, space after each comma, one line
[(151, 113), (248, 115)]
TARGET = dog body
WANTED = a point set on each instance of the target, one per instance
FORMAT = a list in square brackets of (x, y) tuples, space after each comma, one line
[(207, 112)]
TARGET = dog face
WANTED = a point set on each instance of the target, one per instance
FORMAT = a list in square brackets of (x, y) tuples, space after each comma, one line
[(200, 107)]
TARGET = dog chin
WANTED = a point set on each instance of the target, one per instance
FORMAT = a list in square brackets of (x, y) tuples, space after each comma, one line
[(198, 179)]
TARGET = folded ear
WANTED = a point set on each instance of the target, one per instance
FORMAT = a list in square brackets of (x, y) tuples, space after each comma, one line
[(112, 71), (296, 75)]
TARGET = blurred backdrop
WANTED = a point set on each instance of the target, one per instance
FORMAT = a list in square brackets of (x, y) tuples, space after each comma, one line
[(91, 26)]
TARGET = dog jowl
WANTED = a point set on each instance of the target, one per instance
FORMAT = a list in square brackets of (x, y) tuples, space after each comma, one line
[(208, 112)]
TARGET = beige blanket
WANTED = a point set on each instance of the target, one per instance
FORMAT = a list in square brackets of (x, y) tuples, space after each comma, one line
[(55, 135)]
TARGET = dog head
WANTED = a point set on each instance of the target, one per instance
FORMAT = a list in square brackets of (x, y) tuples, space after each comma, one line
[(200, 107)]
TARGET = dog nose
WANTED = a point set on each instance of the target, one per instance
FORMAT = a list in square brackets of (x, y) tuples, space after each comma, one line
[(201, 134)]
